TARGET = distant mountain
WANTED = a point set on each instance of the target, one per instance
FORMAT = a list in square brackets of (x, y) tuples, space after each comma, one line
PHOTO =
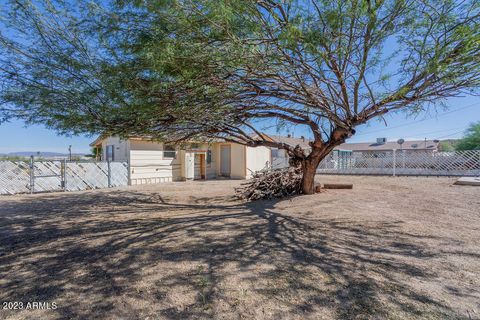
[(41, 154)]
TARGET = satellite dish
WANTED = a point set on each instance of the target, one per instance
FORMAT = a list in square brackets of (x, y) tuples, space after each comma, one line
[(400, 141)]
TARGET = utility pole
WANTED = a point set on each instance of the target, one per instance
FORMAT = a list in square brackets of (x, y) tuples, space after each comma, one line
[(70, 152)]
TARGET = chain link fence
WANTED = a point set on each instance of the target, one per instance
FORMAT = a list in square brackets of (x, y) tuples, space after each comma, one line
[(397, 163), (402, 162), (60, 175)]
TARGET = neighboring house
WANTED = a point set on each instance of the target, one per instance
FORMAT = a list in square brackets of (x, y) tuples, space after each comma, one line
[(280, 156), (345, 151), (382, 145), (155, 162)]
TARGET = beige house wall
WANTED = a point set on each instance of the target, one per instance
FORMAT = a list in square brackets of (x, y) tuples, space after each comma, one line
[(145, 145), (211, 168), (121, 148), (238, 164), (257, 159)]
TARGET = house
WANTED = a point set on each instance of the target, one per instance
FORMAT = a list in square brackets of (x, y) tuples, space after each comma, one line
[(280, 156), (382, 146), (154, 162)]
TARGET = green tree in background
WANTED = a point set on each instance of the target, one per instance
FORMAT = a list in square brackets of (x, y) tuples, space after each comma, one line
[(446, 146), (178, 70), (471, 140)]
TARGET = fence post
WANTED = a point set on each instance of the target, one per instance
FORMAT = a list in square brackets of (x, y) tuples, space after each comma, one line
[(128, 174), (32, 175), (478, 167), (394, 160), (109, 174), (64, 174)]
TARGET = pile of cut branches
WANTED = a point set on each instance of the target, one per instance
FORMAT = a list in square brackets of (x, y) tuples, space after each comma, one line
[(269, 184)]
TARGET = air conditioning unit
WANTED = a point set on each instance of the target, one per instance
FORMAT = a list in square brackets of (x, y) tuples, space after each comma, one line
[(381, 140)]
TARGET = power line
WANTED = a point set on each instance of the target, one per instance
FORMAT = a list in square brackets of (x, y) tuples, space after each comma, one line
[(414, 122), (436, 131), (449, 135)]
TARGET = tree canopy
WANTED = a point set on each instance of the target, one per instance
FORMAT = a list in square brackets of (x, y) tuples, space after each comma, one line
[(184, 69), (471, 140)]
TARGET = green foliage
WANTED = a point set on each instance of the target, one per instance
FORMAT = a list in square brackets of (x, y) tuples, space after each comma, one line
[(13, 158), (95, 153), (183, 69), (446, 146), (471, 140)]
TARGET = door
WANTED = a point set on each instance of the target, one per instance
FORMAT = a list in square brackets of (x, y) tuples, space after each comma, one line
[(189, 165), (199, 166), (225, 160), (203, 167)]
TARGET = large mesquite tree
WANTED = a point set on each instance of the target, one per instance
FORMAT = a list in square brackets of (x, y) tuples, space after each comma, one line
[(183, 69)]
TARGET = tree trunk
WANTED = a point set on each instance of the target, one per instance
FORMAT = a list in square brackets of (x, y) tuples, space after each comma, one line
[(309, 168), (308, 179)]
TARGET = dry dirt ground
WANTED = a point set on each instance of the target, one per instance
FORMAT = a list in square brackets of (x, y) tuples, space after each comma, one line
[(391, 248)]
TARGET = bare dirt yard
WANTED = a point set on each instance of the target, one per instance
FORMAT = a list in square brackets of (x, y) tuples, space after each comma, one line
[(391, 248)]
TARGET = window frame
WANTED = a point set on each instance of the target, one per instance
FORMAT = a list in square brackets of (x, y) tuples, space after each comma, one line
[(167, 154), (110, 157)]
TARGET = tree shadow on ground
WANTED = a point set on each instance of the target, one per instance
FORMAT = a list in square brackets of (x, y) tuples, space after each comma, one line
[(134, 255)]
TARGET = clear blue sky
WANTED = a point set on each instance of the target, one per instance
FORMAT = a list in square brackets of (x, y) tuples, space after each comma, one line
[(434, 124), (442, 124)]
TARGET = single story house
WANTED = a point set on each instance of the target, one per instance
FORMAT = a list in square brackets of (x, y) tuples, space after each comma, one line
[(154, 162), (382, 145)]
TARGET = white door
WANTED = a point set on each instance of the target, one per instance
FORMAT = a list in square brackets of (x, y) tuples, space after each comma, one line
[(189, 165), (225, 155)]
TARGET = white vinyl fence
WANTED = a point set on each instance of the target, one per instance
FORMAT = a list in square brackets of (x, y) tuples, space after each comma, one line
[(401, 162), (60, 175), (397, 163)]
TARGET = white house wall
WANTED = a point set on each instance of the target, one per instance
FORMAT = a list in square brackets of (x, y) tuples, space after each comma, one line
[(121, 148), (148, 165), (257, 159)]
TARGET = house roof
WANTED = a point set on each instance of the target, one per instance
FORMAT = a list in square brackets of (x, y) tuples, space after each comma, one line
[(97, 141), (407, 145), (100, 138), (302, 142)]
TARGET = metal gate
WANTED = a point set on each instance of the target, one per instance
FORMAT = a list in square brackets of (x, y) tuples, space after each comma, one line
[(60, 175), (46, 176)]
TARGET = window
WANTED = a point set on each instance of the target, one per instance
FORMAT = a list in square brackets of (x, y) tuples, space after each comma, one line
[(209, 156), (110, 153), (169, 152), (275, 153)]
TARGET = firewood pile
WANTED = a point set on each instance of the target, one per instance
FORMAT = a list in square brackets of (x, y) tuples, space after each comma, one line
[(269, 184)]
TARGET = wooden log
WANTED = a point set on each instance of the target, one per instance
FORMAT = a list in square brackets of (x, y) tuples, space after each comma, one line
[(337, 186)]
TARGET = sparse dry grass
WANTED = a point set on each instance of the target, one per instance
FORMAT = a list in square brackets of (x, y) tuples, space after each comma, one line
[(391, 248)]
